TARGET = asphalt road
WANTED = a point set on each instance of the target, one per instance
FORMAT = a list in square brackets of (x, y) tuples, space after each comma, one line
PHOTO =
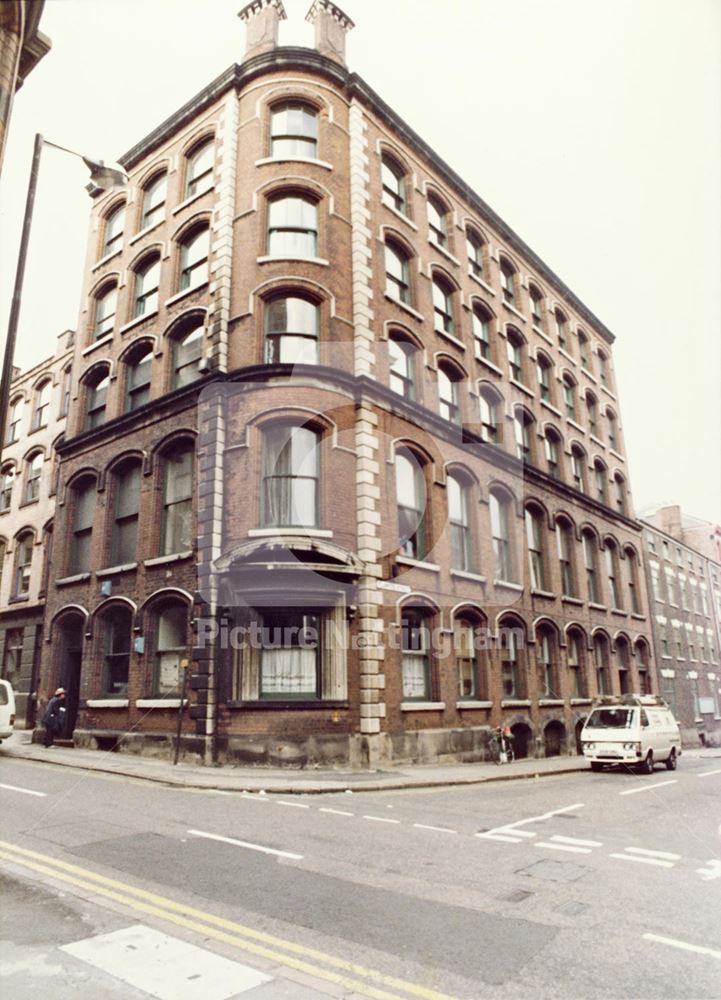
[(579, 886)]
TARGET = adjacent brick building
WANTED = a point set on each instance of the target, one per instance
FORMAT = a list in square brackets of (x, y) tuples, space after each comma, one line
[(339, 439)]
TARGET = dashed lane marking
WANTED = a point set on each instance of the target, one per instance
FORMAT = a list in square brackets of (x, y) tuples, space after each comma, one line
[(707, 774), (293, 805), (246, 844), (499, 836), (684, 945), (25, 791), (643, 861), (436, 829), (546, 844), (383, 819), (336, 812), (575, 840), (648, 788), (653, 854)]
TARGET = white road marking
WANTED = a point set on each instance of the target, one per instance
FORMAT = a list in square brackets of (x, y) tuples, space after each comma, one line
[(574, 840), (684, 945), (713, 870), (165, 967), (336, 812), (25, 791), (562, 847), (382, 819), (653, 854), (643, 861), (255, 796), (707, 774), (648, 788), (510, 833), (437, 829), (515, 833), (537, 819), (244, 843), (499, 836), (294, 805)]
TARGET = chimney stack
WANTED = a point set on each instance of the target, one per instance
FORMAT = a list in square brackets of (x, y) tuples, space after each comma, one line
[(331, 27), (262, 18)]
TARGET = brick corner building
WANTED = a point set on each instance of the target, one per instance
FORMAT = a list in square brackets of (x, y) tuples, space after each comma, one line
[(338, 439)]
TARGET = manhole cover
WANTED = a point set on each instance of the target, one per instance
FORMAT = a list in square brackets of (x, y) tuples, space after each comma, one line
[(554, 871), (572, 909), (518, 896)]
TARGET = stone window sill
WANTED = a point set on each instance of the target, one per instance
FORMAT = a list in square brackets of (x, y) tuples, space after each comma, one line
[(106, 259), (144, 232), (463, 574), (571, 600), (522, 387), (294, 532), (442, 250), (401, 216), (581, 701), (137, 321), (512, 309), (550, 702), (185, 292), (597, 607), (543, 593), (516, 703), (473, 704), (418, 563), (293, 159), (112, 570), (489, 364), (285, 259), (549, 406), (422, 706), (101, 342), (162, 560), (405, 307), (285, 704), (191, 199), (75, 578), (451, 339), (481, 282), (508, 585), (160, 703), (107, 703)]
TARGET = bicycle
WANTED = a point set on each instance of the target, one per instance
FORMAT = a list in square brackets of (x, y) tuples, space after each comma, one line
[(501, 750)]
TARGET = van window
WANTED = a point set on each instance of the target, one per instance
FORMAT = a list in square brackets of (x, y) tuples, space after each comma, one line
[(4, 700), (644, 718), (610, 718)]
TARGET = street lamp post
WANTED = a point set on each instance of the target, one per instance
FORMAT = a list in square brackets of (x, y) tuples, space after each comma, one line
[(103, 177)]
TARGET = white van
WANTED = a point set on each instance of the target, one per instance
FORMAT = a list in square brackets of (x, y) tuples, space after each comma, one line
[(637, 730), (7, 710)]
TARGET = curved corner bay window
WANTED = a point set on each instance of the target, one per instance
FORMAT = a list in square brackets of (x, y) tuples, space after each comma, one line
[(294, 130), (460, 527), (147, 281), (398, 280), (393, 184), (416, 657), (411, 499), (194, 259), (105, 306), (187, 352), (177, 514), (116, 623), (127, 508), (292, 227), (290, 477), (402, 356), (154, 201), (290, 654), (171, 648), (83, 513), (291, 331), (96, 399), (138, 384), (199, 169)]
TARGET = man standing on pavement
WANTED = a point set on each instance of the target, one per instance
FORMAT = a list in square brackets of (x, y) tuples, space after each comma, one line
[(54, 717)]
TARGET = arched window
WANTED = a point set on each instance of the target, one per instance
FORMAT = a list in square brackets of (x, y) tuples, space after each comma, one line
[(402, 356), (291, 460), (147, 282), (96, 397), (194, 250), (564, 543), (472, 680), (154, 195), (171, 647), (522, 428), (294, 130), (42, 402), (7, 478), (82, 514), (643, 658), (481, 321), (442, 306), (601, 663), (125, 492), (398, 282), (583, 350), (3, 553), (187, 352), (15, 417), (569, 396), (547, 662), (416, 654), (458, 519), (536, 298), (589, 557), (578, 467), (490, 407), (514, 344), (448, 398), (106, 303), (291, 330), (65, 383), (137, 386), (632, 570), (576, 655), (599, 475), (611, 429), (113, 231), (620, 485), (544, 368), (552, 442), (411, 501), (535, 530), (292, 226), (508, 282), (623, 658), (24, 545), (115, 632), (199, 168), (602, 367), (500, 511), (33, 471), (437, 221), (393, 184), (512, 641), (474, 247), (591, 412), (560, 321), (612, 572), (176, 518)]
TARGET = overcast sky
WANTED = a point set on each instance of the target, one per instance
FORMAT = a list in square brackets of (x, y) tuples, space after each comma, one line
[(593, 127)]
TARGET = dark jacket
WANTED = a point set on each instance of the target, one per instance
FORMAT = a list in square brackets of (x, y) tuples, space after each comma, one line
[(54, 715)]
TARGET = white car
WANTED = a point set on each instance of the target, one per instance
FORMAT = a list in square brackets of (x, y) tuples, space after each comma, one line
[(7, 710), (637, 730)]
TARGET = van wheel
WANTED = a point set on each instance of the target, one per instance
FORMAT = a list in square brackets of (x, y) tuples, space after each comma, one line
[(647, 766), (672, 760), (596, 765)]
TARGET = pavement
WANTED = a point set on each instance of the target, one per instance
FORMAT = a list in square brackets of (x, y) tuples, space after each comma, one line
[(288, 781)]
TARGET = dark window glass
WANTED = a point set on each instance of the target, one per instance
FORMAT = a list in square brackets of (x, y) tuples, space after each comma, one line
[(290, 477), (291, 331)]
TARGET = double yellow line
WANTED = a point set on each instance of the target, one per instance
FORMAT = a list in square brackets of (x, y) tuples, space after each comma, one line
[(294, 956)]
